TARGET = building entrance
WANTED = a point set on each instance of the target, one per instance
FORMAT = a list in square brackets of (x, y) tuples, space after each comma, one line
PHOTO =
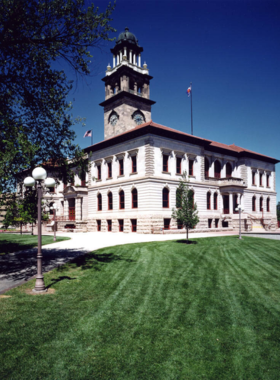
[(226, 204), (72, 209)]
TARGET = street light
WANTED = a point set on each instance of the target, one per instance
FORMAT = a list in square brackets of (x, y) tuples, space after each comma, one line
[(38, 176), (239, 209), (54, 208)]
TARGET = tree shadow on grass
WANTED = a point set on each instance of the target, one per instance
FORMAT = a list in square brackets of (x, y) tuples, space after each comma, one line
[(93, 259), (60, 278), (186, 242)]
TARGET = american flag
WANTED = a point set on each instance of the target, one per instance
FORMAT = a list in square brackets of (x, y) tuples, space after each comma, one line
[(87, 134)]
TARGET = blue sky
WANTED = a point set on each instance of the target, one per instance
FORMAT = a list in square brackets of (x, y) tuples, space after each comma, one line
[(229, 50)]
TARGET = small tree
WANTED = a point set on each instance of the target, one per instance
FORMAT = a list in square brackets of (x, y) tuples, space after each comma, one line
[(186, 210), (21, 211)]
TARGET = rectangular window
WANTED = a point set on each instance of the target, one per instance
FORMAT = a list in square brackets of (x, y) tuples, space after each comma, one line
[(261, 179), (267, 180), (134, 164), (190, 167), (98, 225), (253, 178), (165, 163), (121, 167), (121, 225), (134, 225), (178, 165), (51, 190), (99, 172), (216, 223), (166, 224), (209, 223), (109, 169), (109, 224)]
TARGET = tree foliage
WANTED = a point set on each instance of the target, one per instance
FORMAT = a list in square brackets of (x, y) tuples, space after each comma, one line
[(35, 120), (278, 211), (186, 209), (22, 210)]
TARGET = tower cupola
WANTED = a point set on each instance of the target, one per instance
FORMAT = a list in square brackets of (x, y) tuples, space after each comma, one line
[(127, 87)]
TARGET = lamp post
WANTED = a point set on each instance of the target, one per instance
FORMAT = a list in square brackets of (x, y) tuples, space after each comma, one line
[(39, 177), (54, 208), (239, 209)]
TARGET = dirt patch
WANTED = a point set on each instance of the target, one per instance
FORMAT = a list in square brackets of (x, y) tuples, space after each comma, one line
[(30, 292), (3, 296)]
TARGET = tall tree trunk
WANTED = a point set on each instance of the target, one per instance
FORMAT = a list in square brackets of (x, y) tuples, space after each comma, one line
[(21, 228), (187, 235)]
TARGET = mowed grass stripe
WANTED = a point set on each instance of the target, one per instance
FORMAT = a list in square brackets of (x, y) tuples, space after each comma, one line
[(151, 311)]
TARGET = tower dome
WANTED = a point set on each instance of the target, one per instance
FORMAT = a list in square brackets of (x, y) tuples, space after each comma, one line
[(127, 36)]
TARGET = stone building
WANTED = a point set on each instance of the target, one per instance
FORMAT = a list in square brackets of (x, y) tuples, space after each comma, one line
[(134, 172)]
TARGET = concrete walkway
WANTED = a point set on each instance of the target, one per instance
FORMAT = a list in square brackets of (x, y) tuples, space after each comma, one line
[(19, 267)]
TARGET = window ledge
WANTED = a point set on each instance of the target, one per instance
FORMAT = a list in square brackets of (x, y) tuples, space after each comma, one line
[(133, 173), (109, 178), (179, 174), (254, 185), (98, 180), (261, 186), (166, 173), (121, 175), (191, 176)]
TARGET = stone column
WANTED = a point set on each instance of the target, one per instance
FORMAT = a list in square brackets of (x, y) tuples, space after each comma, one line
[(130, 56), (114, 60), (118, 59), (230, 203), (139, 60), (66, 208), (120, 56), (135, 88), (134, 59), (78, 209), (125, 52)]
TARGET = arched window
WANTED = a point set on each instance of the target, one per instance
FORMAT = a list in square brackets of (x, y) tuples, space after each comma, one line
[(178, 198), (208, 200), (51, 208), (99, 202), (261, 203), (121, 199), (254, 203), (110, 201), (235, 203), (206, 167), (165, 198), (268, 205), (217, 169), (228, 170), (134, 195), (83, 178), (215, 201)]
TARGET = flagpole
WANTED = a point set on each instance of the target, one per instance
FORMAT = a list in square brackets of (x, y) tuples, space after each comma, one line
[(191, 110), (91, 137)]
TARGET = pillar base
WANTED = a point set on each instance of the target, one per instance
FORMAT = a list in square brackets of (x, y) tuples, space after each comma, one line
[(39, 291)]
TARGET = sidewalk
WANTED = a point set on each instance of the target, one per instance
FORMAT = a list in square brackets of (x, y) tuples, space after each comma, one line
[(18, 268)]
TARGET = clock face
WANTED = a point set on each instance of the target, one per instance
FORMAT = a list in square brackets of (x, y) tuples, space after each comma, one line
[(113, 119), (138, 118)]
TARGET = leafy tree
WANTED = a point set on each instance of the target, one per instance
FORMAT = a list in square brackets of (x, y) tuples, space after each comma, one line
[(186, 210), (35, 123), (23, 210), (278, 211)]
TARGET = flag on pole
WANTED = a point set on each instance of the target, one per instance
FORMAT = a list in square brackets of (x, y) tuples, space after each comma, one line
[(189, 90), (88, 134)]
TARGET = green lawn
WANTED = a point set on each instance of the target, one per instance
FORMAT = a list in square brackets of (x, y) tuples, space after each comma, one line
[(14, 242), (162, 311)]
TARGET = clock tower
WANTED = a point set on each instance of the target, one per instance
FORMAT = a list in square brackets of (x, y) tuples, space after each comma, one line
[(127, 88)]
